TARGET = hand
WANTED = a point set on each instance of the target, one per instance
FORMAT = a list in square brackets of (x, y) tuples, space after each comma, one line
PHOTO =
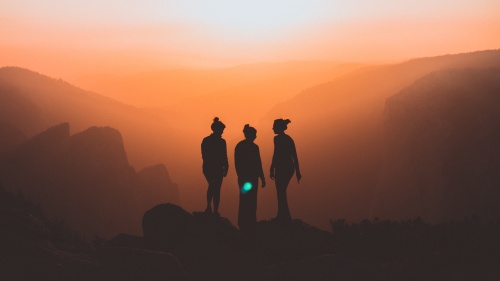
[(224, 172), (263, 182), (272, 176), (299, 176)]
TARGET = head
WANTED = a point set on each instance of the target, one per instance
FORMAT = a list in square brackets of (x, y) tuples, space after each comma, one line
[(249, 132), (218, 127), (280, 125)]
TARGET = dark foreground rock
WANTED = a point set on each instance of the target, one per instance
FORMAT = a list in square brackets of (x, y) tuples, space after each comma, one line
[(178, 245), (30, 250), (211, 248)]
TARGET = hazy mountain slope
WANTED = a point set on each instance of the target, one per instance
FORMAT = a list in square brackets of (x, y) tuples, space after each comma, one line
[(32, 102), (167, 88), (337, 127), (247, 103), (442, 153), (85, 179), (10, 137)]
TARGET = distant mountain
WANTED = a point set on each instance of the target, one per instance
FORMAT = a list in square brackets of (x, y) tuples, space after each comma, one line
[(338, 130), (166, 89), (31, 102), (86, 179), (10, 137), (153, 181), (442, 154)]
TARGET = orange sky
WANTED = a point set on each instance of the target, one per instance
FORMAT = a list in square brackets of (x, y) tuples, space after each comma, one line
[(70, 38)]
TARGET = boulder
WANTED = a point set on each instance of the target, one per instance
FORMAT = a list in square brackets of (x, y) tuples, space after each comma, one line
[(166, 226)]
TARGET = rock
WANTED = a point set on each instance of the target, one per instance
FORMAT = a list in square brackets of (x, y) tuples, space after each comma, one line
[(126, 240), (318, 268), (23, 225), (166, 226), (80, 178), (123, 263), (100, 149), (442, 157), (11, 137), (282, 240), (212, 229), (157, 187)]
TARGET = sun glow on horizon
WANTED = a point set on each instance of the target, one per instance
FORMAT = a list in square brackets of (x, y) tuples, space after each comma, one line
[(133, 36)]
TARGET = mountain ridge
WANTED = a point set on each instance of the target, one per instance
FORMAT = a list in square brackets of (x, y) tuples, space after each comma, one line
[(80, 177), (441, 154)]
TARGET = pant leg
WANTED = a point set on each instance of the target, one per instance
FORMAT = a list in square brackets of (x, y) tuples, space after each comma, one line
[(247, 216), (281, 187)]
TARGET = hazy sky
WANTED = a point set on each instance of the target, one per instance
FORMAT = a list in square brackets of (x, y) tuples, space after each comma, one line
[(136, 35)]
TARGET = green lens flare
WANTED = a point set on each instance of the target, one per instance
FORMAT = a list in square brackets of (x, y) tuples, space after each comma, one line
[(246, 187)]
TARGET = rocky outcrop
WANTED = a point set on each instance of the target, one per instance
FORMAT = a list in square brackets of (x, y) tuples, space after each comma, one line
[(11, 137), (52, 142), (169, 227), (205, 247), (442, 157), (166, 226), (215, 250), (86, 179), (156, 183), (32, 248), (99, 149)]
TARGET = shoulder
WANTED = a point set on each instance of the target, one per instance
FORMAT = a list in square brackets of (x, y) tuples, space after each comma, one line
[(204, 141), (256, 147), (288, 138), (240, 144)]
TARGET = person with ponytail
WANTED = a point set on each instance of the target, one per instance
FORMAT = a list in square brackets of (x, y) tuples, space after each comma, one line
[(284, 164), (215, 164), (249, 169)]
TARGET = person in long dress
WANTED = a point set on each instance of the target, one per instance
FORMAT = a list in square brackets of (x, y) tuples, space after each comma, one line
[(284, 164), (249, 169)]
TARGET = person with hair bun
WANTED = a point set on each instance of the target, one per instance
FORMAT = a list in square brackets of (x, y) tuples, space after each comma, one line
[(215, 164), (283, 166), (249, 169)]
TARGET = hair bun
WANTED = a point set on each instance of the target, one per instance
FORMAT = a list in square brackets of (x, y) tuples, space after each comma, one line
[(216, 119), (287, 121), (247, 126)]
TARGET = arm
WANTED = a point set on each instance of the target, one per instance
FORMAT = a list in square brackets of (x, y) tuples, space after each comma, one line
[(273, 161), (237, 160), (295, 161), (261, 172), (203, 151), (226, 162)]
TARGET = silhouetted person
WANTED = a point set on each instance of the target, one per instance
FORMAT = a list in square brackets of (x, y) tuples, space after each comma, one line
[(215, 164), (284, 164), (249, 169)]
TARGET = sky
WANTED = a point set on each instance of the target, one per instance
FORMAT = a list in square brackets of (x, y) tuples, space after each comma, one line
[(68, 37)]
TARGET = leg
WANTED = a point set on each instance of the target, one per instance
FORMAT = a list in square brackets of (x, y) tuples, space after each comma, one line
[(252, 202), (241, 207), (214, 180), (217, 183), (210, 193), (248, 204), (281, 186)]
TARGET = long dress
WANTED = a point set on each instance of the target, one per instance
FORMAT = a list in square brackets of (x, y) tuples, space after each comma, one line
[(249, 169), (283, 165)]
